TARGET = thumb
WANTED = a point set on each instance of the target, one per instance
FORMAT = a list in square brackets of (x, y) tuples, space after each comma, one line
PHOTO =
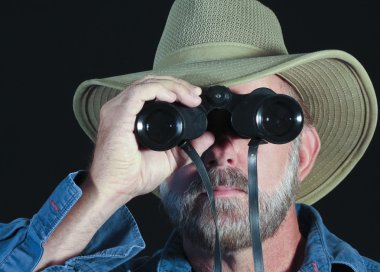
[(202, 143)]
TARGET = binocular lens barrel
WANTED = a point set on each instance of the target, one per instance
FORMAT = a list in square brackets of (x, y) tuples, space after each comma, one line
[(159, 126), (162, 126), (280, 119)]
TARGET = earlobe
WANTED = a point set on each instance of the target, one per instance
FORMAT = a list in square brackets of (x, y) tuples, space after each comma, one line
[(309, 149)]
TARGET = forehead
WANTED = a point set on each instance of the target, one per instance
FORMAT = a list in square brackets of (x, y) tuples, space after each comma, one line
[(274, 82)]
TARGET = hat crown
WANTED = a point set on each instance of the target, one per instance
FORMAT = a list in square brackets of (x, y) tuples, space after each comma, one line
[(235, 28)]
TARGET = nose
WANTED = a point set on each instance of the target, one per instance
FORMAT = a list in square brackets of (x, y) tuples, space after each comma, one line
[(223, 152)]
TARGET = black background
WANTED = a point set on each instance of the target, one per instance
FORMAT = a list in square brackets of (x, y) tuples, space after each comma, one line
[(48, 47)]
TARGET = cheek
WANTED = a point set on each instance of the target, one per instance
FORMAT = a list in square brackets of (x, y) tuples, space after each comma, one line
[(180, 179), (272, 163)]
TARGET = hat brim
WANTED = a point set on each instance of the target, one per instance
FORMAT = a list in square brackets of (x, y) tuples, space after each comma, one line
[(333, 84)]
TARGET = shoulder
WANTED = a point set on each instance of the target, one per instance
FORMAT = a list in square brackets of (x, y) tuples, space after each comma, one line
[(326, 249), (371, 265)]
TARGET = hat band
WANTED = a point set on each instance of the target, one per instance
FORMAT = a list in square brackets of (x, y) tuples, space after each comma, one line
[(211, 52)]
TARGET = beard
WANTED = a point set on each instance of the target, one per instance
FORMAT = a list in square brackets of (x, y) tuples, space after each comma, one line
[(191, 214)]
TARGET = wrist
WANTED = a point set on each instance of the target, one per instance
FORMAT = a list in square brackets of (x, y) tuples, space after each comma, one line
[(101, 197)]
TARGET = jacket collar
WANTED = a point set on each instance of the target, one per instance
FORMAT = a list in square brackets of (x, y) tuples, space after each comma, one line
[(323, 249), (173, 257)]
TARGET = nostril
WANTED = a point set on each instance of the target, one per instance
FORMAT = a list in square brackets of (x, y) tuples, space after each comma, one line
[(211, 163), (229, 161)]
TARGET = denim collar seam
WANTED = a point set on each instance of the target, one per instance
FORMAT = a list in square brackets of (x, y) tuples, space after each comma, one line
[(323, 241), (161, 265)]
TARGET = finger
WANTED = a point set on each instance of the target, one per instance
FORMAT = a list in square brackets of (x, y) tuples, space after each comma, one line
[(171, 78), (204, 142), (186, 95), (134, 99), (163, 90), (174, 84), (187, 84), (179, 158)]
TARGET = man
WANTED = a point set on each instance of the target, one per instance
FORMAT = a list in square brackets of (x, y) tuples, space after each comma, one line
[(334, 88)]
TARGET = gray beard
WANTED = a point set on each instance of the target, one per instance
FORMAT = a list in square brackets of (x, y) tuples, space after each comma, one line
[(192, 216)]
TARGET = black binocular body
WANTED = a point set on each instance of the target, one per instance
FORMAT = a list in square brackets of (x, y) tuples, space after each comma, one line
[(261, 114)]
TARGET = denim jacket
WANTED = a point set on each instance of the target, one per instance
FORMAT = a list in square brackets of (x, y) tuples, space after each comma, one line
[(118, 241)]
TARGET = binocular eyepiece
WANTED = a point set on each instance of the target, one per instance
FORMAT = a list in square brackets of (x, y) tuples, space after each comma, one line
[(261, 114)]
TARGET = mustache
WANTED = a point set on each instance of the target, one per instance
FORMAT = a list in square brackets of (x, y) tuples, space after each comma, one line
[(229, 177)]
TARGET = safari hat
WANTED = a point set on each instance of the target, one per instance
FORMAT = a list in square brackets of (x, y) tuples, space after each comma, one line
[(229, 42)]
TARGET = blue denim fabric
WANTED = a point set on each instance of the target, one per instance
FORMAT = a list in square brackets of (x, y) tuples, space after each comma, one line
[(119, 240)]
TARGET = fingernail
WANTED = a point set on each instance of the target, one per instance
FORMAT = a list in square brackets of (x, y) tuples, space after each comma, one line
[(197, 91), (198, 98)]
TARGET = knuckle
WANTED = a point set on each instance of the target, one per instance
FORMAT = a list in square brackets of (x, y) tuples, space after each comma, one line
[(182, 80), (133, 90), (131, 95), (184, 90), (139, 81)]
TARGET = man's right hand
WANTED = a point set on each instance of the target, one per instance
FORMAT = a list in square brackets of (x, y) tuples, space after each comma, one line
[(120, 169)]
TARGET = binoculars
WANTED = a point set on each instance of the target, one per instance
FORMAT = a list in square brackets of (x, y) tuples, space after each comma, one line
[(261, 114)]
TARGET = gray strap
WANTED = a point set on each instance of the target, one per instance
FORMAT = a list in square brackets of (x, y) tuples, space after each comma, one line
[(254, 205), (193, 155)]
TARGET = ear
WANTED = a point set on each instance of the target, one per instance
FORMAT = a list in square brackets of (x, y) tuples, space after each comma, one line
[(309, 149)]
